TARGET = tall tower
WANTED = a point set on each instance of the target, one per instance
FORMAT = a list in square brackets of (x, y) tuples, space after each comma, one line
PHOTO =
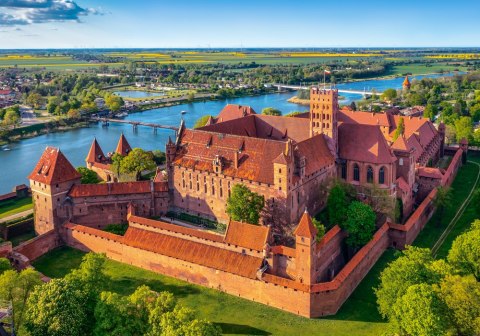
[(50, 181), (324, 114), (305, 241)]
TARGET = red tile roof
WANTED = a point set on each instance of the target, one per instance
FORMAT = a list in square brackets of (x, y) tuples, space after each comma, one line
[(430, 172), (401, 144), (403, 185), (95, 232), (53, 167), (95, 154), (233, 111), (285, 250), (123, 147), (406, 82), (316, 152), (305, 227), (363, 143), (194, 252), (247, 235), (118, 188)]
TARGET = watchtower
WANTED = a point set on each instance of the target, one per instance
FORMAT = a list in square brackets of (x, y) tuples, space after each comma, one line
[(324, 114)]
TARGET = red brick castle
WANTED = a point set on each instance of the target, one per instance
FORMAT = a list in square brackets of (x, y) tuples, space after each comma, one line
[(286, 159)]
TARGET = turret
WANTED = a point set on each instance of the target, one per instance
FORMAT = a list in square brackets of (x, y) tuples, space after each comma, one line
[(123, 147), (305, 239), (406, 84), (50, 181), (283, 168), (95, 154)]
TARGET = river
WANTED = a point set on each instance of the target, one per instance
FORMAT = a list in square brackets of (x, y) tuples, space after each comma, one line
[(19, 161)]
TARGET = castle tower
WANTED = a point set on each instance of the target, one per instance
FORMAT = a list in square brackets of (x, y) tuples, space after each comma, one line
[(305, 239), (323, 115), (50, 181), (95, 154), (283, 168), (406, 84), (123, 147)]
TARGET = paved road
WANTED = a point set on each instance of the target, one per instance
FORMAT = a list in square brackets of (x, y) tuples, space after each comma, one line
[(17, 215)]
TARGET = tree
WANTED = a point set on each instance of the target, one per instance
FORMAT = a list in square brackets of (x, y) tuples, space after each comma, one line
[(413, 267), (244, 205), (191, 96), (421, 312), (113, 102), (57, 308), (337, 204), (271, 111), (464, 128), (359, 223), (35, 100), (202, 121), (136, 162), (442, 201), (16, 288), (462, 297), (4, 265), (320, 228), (430, 112), (117, 163), (73, 114), (400, 130), (159, 157), (464, 254), (353, 106), (11, 118), (389, 94), (88, 176)]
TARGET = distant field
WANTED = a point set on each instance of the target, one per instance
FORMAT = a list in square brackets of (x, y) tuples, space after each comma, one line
[(417, 69)]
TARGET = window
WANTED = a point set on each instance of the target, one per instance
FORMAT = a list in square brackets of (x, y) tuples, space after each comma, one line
[(370, 174), (381, 175), (400, 162), (344, 171), (356, 172)]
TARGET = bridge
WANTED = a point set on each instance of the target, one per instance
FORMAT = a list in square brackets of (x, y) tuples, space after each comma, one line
[(106, 122), (303, 87)]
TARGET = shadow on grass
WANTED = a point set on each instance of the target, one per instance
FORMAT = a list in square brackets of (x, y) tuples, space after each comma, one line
[(127, 285), (240, 329)]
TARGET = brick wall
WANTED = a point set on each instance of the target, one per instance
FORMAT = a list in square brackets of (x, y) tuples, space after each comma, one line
[(38, 246), (5, 249), (329, 256)]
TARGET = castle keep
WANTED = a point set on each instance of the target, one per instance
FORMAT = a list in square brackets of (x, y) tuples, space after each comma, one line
[(288, 160)]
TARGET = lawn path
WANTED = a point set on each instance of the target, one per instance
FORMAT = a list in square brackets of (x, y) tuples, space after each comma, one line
[(457, 216), (17, 215)]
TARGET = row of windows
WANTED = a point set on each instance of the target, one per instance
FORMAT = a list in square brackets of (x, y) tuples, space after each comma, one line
[(370, 173), (196, 181), (323, 115), (317, 124)]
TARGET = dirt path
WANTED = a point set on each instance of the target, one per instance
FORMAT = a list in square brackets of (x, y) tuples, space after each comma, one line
[(17, 215), (457, 216)]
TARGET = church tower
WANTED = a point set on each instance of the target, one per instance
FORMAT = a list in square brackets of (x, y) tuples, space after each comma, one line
[(324, 113)]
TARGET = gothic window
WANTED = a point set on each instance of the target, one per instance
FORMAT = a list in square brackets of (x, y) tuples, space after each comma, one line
[(344, 171), (370, 174), (356, 172), (221, 189), (213, 187), (381, 175)]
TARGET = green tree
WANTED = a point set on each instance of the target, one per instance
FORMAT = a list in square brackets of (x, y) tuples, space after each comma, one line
[(430, 112), (57, 309), (159, 157), (202, 121), (359, 223), (464, 254), (136, 162), (337, 204), (271, 111), (400, 130), (191, 96), (88, 176), (244, 205), (442, 201), (462, 297), (389, 94), (113, 102), (421, 312), (16, 288), (320, 228), (464, 128), (4, 265), (117, 163), (35, 100), (413, 267), (11, 118)]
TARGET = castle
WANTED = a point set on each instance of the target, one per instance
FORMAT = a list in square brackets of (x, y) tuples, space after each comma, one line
[(287, 160)]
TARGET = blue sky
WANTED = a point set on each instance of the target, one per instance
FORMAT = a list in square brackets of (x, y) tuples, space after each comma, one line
[(247, 23)]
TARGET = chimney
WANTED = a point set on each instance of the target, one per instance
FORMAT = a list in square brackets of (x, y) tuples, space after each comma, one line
[(235, 160)]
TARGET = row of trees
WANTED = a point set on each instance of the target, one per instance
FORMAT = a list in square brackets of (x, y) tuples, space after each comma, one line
[(10, 116), (76, 305), (420, 295)]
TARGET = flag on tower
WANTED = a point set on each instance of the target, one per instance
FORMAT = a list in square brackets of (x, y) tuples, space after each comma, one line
[(328, 72)]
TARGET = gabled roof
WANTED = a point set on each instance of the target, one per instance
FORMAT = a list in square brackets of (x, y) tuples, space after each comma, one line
[(305, 227), (247, 235), (316, 152), (401, 144), (53, 167), (119, 188), (123, 147), (430, 172), (95, 154), (363, 143), (233, 111)]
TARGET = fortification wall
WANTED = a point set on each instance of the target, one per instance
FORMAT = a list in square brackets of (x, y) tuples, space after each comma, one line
[(40, 245), (329, 254)]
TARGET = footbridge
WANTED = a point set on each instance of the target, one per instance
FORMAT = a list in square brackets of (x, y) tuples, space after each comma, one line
[(106, 122), (303, 87)]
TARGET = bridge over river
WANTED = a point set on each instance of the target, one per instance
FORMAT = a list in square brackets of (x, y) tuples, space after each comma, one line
[(135, 124), (303, 87)]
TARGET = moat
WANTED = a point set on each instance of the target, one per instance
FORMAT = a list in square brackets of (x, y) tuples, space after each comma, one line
[(21, 156)]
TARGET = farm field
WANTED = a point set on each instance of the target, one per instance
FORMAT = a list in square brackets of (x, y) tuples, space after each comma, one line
[(15, 206), (418, 69)]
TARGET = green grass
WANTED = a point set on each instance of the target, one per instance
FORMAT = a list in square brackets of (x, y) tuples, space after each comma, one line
[(417, 69), (234, 315), (22, 238), (15, 206)]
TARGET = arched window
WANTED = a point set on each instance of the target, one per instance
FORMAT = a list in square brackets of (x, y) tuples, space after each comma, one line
[(344, 171), (370, 174), (381, 175), (356, 172)]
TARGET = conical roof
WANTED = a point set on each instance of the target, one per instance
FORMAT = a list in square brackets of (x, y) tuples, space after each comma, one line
[(306, 228), (123, 147), (95, 154), (406, 82), (401, 144)]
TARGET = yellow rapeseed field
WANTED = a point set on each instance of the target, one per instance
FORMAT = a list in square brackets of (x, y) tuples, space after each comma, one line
[(300, 54), (454, 56)]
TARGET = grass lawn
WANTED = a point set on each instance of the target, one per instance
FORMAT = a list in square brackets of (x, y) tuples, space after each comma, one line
[(417, 69), (15, 206), (235, 315)]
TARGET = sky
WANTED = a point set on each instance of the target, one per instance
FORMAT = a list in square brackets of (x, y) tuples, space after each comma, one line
[(235, 24)]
